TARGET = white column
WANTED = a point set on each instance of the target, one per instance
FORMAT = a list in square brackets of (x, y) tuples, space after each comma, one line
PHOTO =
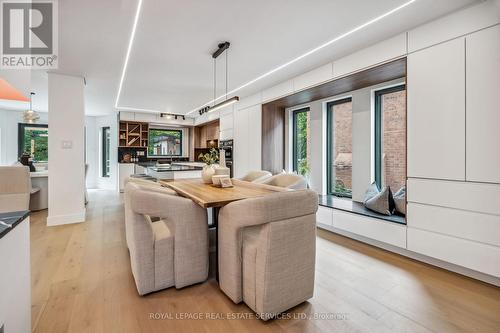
[(66, 149)]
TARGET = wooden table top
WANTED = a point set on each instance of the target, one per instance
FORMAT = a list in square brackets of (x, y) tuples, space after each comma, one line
[(207, 195)]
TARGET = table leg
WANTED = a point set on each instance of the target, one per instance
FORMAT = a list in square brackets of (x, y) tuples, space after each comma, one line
[(215, 223)]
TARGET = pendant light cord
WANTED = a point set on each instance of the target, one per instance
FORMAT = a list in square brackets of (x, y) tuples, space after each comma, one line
[(31, 100), (215, 78), (226, 72)]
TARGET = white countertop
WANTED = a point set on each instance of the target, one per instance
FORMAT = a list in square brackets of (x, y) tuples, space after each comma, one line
[(44, 173), (196, 164)]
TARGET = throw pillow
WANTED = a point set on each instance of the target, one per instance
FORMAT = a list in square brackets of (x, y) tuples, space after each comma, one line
[(379, 201), (400, 200)]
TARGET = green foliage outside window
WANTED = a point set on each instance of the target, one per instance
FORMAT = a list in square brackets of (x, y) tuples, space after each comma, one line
[(35, 142), (341, 190), (301, 164)]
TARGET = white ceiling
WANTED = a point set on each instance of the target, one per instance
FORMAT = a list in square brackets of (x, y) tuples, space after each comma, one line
[(170, 67)]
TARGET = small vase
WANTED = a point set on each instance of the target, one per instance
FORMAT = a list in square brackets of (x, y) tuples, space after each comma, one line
[(207, 173)]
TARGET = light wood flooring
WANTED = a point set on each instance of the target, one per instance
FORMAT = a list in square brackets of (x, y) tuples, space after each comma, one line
[(82, 282)]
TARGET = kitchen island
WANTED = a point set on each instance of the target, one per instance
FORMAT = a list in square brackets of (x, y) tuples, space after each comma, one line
[(175, 170), (181, 170)]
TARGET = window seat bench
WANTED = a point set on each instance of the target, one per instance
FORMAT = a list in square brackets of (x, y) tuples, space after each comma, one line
[(355, 207), (352, 219)]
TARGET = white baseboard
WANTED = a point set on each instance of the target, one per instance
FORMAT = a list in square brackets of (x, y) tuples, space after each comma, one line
[(65, 219), (416, 256)]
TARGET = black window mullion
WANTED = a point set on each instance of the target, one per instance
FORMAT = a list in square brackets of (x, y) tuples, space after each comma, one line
[(378, 130), (329, 145)]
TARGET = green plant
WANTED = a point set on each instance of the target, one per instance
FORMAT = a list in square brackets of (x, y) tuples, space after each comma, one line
[(341, 190), (303, 167), (210, 158)]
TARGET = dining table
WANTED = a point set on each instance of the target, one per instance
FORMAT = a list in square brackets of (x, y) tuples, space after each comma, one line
[(216, 197)]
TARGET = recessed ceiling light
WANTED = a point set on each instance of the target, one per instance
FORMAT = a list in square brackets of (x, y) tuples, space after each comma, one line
[(308, 53)]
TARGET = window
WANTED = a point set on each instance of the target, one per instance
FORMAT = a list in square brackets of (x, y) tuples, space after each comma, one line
[(164, 142), (390, 137), (339, 148), (301, 141), (33, 139), (105, 151)]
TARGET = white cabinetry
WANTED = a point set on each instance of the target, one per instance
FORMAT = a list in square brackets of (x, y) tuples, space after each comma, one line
[(15, 279), (371, 56), (473, 255), (313, 77), (483, 105), (247, 140), (324, 215), (382, 231), (125, 170), (130, 116), (436, 112), (145, 117), (226, 125), (458, 222)]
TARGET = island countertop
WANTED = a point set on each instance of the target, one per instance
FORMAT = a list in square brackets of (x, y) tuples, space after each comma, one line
[(174, 167), (11, 219)]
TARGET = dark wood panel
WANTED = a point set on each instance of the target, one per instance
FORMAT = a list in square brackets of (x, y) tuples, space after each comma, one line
[(383, 73), (273, 113), (273, 138)]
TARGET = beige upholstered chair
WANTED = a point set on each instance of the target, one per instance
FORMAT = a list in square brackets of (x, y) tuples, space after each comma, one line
[(146, 185), (287, 180), (267, 251), (170, 252), (15, 188), (256, 176)]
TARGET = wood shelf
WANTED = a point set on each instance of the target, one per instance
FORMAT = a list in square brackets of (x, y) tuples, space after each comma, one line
[(133, 134)]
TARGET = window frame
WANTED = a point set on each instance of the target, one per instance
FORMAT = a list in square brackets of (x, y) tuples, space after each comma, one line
[(104, 171), (377, 139), (294, 136), (181, 151), (329, 145), (20, 138)]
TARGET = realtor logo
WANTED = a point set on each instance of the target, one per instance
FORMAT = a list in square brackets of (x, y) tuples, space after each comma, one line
[(29, 39)]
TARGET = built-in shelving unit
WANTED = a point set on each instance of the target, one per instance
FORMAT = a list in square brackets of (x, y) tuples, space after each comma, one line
[(133, 134)]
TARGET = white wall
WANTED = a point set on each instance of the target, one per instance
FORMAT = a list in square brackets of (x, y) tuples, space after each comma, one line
[(66, 149), (92, 149)]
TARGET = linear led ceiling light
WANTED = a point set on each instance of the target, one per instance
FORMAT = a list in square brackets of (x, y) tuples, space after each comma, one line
[(223, 47), (129, 49), (302, 56)]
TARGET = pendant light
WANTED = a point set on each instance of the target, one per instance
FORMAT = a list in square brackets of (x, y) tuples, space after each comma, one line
[(30, 116), (222, 47)]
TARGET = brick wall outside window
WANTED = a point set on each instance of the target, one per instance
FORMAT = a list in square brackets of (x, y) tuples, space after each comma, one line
[(342, 144), (394, 140)]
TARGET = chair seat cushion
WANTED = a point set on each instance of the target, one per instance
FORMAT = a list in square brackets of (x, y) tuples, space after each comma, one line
[(164, 254), (249, 254)]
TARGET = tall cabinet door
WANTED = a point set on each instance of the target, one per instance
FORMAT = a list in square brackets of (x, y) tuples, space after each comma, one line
[(483, 106), (436, 112)]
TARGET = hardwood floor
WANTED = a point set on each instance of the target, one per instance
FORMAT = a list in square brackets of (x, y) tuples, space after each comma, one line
[(82, 282)]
